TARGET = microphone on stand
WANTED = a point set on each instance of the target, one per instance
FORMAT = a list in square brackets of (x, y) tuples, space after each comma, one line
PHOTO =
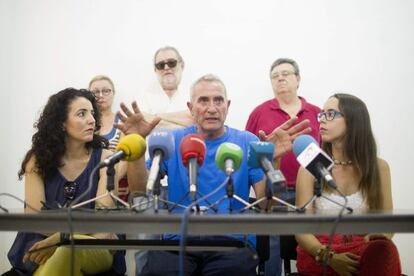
[(313, 158), (229, 157), (131, 147), (160, 147), (261, 156), (318, 163), (193, 151)]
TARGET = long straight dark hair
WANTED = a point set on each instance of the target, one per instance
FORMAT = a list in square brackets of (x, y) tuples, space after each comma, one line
[(360, 147)]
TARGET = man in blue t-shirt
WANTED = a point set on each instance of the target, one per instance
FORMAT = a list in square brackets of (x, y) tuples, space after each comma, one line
[(209, 106)]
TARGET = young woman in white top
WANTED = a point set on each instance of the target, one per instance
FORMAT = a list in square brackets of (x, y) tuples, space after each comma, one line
[(346, 134)]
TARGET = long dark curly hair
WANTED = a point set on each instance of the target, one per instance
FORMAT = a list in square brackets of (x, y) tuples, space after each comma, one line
[(48, 143)]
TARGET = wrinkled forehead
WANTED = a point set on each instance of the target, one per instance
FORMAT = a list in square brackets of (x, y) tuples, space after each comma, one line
[(283, 67), (208, 89), (166, 54)]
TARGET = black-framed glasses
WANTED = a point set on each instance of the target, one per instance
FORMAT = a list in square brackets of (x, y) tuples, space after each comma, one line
[(284, 74), (69, 190), (329, 115), (170, 62), (104, 92)]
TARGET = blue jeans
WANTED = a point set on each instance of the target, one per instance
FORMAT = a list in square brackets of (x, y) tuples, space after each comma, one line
[(234, 262), (273, 266)]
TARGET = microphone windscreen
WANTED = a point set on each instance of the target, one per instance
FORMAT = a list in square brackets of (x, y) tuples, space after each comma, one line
[(133, 145), (301, 143), (161, 140), (192, 146), (257, 150), (228, 151)]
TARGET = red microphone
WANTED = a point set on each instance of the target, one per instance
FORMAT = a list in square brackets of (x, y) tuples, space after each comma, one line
[(193, 151), (193, 146)]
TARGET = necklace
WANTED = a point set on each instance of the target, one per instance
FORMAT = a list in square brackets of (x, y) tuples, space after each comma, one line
[(342, 163)]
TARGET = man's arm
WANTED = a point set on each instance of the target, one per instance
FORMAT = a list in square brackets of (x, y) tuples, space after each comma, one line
[(133, 121), (260, 191), (171, 120), (137, 175), (180, 118)]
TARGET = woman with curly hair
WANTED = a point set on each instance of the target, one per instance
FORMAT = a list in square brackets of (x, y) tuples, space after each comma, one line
[(65, 149), (365, 180)]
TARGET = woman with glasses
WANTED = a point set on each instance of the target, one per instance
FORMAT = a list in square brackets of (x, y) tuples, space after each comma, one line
[(364, 178), (56, 170), (102, 87)]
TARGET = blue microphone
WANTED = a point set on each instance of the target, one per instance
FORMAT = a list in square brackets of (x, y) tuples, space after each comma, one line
[(260, 156), (312, 158), (161, 146)]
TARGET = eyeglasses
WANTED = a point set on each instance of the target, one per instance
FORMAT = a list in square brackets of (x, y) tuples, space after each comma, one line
[(170, 62), (329, 115), (283, 74), (104, 92), (69, 190)]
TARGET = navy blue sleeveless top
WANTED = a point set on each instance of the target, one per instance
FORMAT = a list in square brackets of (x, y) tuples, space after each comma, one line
[(57, 186), (60, 192)]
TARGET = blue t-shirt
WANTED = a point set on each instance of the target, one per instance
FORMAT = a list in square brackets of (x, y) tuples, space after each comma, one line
[(209, 175)]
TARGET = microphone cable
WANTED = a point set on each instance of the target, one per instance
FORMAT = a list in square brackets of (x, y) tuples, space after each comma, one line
[(185, 219), (20, 200), (47, 210), (70, 218), (335, 226)]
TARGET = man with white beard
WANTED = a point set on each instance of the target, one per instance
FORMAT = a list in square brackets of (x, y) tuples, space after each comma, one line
[(166, 100)]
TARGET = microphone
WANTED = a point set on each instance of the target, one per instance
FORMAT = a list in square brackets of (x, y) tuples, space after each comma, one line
[(260, 154), (193, 151), (130, 148), (229, 157), (160, 147), (313, 158)]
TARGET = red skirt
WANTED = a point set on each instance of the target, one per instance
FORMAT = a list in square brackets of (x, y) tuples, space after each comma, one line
[(377, 257)]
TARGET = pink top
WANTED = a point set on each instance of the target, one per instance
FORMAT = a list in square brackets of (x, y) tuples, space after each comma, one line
[(268, 115)]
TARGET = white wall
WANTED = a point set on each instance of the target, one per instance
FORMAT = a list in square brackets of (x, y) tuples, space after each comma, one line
[(361, 47)]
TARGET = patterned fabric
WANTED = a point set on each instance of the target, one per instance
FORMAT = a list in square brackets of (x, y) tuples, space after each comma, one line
[(355, 201), (377, 257), (113, 136)]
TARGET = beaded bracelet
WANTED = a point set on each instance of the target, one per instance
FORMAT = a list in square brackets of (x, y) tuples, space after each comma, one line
[(324, 255)]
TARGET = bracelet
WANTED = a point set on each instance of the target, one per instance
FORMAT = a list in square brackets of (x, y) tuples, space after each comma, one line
[(324, 255)]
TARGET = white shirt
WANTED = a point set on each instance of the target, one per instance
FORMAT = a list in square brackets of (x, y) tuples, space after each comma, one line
[(155, 100), (355, 201)]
